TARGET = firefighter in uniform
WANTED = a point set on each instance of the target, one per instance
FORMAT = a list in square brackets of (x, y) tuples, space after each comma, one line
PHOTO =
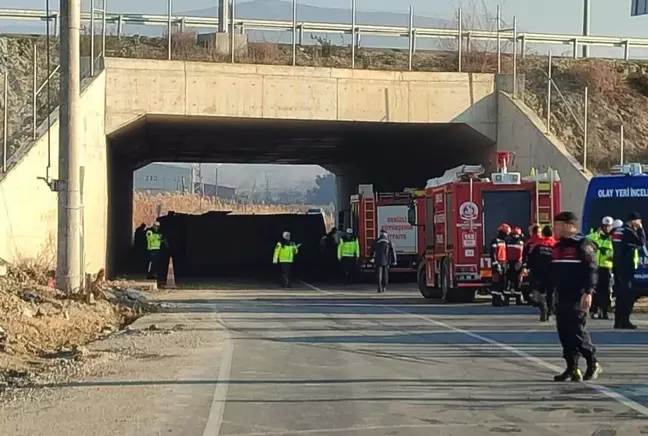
[(627, 240), (602, 240), (348, 253), (535, 235), (153, 245), (498, 263), (539, 264), (284, 255), (514, 251), (574, 276)]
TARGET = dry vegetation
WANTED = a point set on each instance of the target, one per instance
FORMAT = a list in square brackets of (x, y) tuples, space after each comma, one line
[(145, 207), (42, 327)]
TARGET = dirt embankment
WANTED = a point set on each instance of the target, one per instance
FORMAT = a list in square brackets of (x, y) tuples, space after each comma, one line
[(43, 329), (618, 89), (618, 95)]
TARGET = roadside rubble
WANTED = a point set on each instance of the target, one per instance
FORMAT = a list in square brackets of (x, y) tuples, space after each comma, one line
[(44, 330)]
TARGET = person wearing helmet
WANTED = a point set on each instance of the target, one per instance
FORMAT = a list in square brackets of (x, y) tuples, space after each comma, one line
[(498, 264), (627, 240), (153, 245), (348, 254), (602, 240), (284, 255), (514, 251)]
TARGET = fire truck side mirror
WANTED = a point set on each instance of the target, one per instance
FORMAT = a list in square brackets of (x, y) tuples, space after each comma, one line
[(411, 214)]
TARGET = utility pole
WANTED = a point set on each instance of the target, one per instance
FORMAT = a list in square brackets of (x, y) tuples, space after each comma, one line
[(586, 25), (69, 250), (223, 15)]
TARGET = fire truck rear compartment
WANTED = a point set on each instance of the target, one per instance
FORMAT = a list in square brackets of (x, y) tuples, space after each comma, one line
[(511, 207)]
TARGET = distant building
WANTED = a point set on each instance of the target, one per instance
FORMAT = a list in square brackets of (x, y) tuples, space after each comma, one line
[(160, 178)]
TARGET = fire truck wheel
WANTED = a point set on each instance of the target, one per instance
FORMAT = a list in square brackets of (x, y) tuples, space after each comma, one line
[(426, 291)]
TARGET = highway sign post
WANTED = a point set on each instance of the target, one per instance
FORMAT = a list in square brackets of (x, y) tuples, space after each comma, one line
[(639, 7)]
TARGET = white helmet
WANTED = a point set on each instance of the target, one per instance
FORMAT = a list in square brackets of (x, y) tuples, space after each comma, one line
[(349, 231), (286, 235), (617, 223), (607, 221)]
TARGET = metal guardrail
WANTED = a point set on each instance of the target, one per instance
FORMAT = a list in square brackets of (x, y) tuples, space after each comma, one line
[(403, 31)]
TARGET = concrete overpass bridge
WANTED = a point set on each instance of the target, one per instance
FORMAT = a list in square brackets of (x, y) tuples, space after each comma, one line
[(392, 129)]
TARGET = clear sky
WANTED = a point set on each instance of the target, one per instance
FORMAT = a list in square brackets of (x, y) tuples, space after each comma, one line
[(609, 17)]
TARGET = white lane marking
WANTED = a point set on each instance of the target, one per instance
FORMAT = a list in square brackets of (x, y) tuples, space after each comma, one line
[(539, 362), (315, 288), (502, 424), (219, 399)]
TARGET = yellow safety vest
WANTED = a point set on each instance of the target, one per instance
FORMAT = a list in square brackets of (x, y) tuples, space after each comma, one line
[(604, 250), (284, 253), (153, 240), (348, 248), (636, 258)]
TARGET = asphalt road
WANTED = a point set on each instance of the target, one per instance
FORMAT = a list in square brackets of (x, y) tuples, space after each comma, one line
[(250, 359)]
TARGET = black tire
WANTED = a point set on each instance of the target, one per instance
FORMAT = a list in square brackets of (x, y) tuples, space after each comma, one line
[(426, 291)]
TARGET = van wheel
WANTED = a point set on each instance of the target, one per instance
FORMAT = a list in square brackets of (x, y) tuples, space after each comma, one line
[(426, 291)]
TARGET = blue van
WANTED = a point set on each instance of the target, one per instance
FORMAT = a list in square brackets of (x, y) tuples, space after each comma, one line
[(616, 195)]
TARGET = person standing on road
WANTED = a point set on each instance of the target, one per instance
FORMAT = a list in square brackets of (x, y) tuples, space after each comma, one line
[(153, 244), (602, 240), (574, 276), (284, 255), (348, 254), (383, 255), (539, 263), (514, 251), (498, 263), (627, 240)]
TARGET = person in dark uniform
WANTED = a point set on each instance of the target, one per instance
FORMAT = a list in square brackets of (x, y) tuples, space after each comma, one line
[(574, 275), (514, 251), (626, 241), (383, 255), (539, 264), (498, 264)]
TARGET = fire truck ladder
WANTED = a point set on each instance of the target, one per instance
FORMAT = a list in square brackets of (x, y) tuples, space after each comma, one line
[(544, 200), (370, 223)]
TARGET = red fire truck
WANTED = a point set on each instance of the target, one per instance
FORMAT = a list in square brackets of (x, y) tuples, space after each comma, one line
[(463, 211), (372, 211)]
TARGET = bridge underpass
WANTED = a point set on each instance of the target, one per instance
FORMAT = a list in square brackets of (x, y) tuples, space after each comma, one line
[(391, 156)]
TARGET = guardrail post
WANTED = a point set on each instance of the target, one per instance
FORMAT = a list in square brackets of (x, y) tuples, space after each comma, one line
[(169, 6), (523, 46), (585, 136), (499, 39), (549, 88), (294, 32), (353, 33), (622, 134), (5, 117), (34, 91), (301, 35), (575, 48), (626, 50), (92, 35), (411, 38), (120, 26), (460, 38)]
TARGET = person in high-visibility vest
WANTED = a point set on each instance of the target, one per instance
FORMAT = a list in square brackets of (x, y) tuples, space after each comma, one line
[(348, 253), (153, 245), (284, 255), (627, 240), (602, 240)]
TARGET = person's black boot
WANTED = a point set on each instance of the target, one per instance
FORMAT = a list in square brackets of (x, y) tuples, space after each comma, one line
[(617, 320), (605, 315), (573, 374), (593, 371), (626, 324)]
